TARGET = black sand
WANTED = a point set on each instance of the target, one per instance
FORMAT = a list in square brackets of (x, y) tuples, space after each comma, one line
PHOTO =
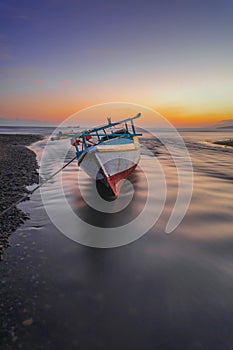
[(18, 169)]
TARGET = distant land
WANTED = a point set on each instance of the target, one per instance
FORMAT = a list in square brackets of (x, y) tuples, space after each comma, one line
[(226, 127), (21, 122), (225, 124)]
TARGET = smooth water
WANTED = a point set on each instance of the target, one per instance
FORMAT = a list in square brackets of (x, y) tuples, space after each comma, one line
[(160, 292)]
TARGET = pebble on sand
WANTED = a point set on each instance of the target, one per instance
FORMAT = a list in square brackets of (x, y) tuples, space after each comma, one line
[(18, 169), (28, 322)]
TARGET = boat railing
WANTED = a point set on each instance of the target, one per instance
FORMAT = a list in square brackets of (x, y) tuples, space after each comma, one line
[(85, 138)]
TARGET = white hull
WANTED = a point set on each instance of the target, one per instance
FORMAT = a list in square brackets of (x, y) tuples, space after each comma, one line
[(105, 164)]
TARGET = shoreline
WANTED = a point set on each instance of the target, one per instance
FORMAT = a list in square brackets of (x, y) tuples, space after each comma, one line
[(18, 169)]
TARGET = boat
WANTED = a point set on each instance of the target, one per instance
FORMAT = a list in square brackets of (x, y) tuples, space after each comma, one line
[(108, 153)]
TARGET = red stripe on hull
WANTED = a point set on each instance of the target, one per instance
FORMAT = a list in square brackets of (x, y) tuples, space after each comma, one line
[(114, 179)]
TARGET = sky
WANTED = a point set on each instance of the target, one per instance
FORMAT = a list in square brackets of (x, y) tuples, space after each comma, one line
[(174, 56)]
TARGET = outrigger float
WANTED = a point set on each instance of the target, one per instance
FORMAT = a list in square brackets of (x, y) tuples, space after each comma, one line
[(108, 153)]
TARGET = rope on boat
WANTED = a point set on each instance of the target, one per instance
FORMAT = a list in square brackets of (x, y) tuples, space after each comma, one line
[(36, 188)]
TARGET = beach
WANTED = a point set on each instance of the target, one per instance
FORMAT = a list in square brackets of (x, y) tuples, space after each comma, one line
[(18, 169), (161, 291)]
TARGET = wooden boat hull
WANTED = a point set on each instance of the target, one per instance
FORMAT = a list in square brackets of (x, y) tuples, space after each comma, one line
[(110, 163), (113, 180)]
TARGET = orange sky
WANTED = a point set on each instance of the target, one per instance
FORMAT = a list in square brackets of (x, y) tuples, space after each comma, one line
[(188, 104), (51, 109)]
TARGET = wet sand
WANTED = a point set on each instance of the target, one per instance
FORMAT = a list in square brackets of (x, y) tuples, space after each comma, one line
[(228, 143), (18, 169)]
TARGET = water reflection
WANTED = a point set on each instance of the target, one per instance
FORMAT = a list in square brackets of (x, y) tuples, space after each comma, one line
[(161, 292)]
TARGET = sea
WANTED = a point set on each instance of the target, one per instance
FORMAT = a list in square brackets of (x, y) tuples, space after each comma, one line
[(166, 290)]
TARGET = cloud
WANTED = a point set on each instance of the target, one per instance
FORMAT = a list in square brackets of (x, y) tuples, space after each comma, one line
[(66, 82), (5, 51), (37, 81), (5, 55), (13, 12), (3, 37), (23, 17), (226, 121), (224, 124)]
